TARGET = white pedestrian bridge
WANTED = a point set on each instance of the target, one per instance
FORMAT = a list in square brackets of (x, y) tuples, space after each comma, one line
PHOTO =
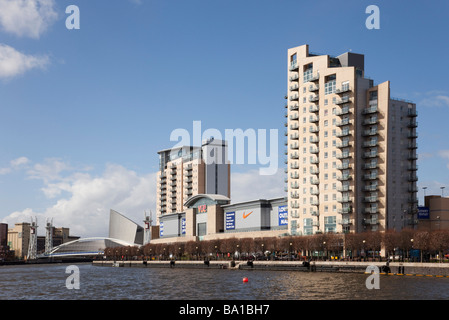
[(85, 247)]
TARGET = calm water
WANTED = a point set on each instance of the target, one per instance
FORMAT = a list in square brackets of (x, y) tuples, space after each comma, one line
[(49, 282)]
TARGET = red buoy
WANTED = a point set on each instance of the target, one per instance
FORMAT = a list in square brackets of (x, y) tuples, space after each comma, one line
[(245, 279)]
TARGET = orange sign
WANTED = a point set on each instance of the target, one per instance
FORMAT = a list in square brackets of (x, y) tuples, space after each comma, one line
[(202, 208), (246, 215)]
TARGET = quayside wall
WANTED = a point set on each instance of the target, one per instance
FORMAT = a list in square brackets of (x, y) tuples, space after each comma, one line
[(394, 268)]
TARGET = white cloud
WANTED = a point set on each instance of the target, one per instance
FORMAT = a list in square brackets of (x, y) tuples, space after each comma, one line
[(82, 202), (50, 170), (27, 18), (251, 185), (15, 164), (434, 99), (14, 63)]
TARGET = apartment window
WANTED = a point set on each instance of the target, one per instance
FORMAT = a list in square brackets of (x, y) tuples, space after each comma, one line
[(330, 224), (345, 85), (304, 90), (308, 72), (329, 87), (308, 228), (326, 102), (326, 123)]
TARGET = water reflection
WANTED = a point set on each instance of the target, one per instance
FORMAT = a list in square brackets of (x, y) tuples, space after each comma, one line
[(48, 282)]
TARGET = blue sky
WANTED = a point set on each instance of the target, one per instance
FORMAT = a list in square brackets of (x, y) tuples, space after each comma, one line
[(84, 112)]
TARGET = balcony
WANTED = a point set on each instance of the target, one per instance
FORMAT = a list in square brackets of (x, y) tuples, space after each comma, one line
[(315, 98), (294, 117), (344, 188), (370, 176), (294, 97), (372, 165), (371, 132), (343, 122), (345, 210), (294, 126), (343, 100), (314, 119), (294, 87), (370, 110), (412, 113), (371, 210), (345, 222), (294, 136), (315, 161), (370, 121), (344, 199), (294, 156), (343, 133), (315, 192), (344, 155), (294, 146), (314, 108), (315, 203), (294, 195), (315, 213), (412, 178), (314, 78), (370, 188), (314, 139), (412, 156), (315, 171), (294, 77), (344, 177), (293, 65), (412, 124), (315, 181), (412, 168), (370, 154), (313, 88), (294, 107), (344, 166), (315, 150), (343, 89), (412, 135), (343, 111), (370, 199), (368, 222), (370, 143), (294, 175), (314, 130), (343, 144)]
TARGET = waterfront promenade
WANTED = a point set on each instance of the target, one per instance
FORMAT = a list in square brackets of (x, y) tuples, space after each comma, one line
[(395, 268)]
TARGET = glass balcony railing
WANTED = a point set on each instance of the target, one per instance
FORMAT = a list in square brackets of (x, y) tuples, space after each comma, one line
[(314, 108)]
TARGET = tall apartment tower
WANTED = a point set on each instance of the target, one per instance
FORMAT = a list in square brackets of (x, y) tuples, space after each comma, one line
[(351, 148), (187, 171)]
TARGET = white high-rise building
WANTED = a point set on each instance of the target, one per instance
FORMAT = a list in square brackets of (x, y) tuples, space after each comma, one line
[(351, 163)]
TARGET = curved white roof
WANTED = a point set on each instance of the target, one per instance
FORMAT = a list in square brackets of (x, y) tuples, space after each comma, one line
[(214, 197)]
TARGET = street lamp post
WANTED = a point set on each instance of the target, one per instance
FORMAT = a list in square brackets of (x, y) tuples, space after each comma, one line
[(442, 191)]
